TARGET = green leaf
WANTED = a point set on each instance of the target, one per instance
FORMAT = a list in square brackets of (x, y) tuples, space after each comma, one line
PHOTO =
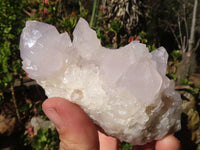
[(186, 82), (5, 51), (43, 138), (4, 65), (16, 66), (171, 76), (7, 78), (10, 36), (115, 26), (125, 146), (176, 54), (143, 34), (7, 30), (84, 13), (35, 144), (198, 147)]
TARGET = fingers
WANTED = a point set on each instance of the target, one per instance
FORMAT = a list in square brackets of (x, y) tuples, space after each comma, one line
[(168, 143), (76, 130), (107, 142)]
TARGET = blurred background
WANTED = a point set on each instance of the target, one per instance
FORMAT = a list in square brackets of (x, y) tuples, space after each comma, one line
[(174, 24)]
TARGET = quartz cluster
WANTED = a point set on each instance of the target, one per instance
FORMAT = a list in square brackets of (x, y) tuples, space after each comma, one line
[(125, 91)]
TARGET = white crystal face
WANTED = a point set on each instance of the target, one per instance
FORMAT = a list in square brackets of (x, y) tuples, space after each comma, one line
[(125, 91)]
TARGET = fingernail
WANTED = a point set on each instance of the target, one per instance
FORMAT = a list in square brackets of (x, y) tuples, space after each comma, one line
[(55, 118)]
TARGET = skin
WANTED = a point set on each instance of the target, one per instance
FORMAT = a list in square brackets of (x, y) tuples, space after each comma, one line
[(77, 131)]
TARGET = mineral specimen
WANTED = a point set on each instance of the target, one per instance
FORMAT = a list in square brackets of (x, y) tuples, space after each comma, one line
[(125, 91)]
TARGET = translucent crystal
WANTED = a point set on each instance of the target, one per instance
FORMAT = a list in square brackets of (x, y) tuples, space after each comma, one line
[(125, 91)]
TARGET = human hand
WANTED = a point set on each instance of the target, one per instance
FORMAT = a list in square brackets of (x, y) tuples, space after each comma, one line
[(77, 131)]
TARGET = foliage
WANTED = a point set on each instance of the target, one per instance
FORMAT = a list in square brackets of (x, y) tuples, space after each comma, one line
[(97, 25), (198, 148), (173, 64), (45, 139), (143, 39), (57, 13), (171, 76), (11, 18), (176, 54), (125, 146), (11, 24), (194, 90), (115, 26)]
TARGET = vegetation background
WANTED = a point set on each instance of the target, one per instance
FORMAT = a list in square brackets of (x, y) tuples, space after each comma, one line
[(174, 24)]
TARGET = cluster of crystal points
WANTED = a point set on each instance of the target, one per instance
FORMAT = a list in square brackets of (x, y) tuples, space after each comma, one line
[(125, 91)]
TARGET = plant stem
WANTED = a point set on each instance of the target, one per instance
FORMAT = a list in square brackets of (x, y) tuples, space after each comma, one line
[(93, 12), (115, 41), (191, 40), (15, 104)]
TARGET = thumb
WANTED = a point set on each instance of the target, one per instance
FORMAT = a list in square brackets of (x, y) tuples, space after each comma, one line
[(75, 128)]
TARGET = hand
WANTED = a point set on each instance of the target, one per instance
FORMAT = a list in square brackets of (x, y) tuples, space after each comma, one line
[(77, 131)]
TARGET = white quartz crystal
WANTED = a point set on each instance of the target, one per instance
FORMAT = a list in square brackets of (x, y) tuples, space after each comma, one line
[(125, 91)]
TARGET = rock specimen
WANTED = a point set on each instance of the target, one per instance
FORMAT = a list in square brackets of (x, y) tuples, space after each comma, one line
[(125, 91)]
